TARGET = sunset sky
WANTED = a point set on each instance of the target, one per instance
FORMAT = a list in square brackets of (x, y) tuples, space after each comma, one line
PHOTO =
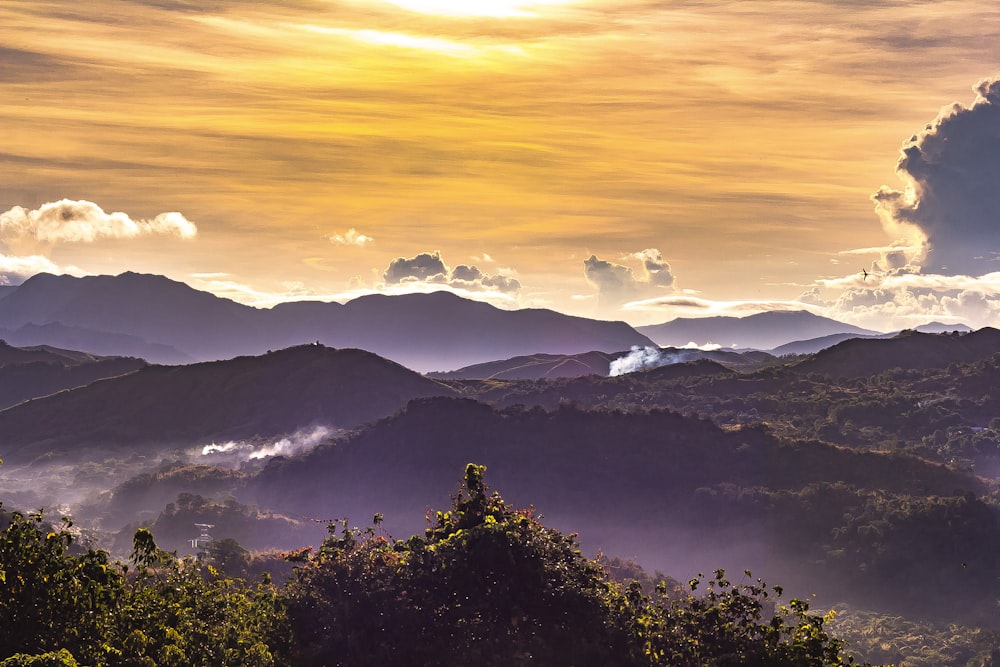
[(618, 159)]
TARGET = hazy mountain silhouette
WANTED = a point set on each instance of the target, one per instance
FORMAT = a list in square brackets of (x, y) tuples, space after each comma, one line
[(863, 357), (536, 367), (814, 345), (152, 308), (552, 366), (436, 331), (270, 395), (94, 342), (30, 372), (941, 327), (763, 331)]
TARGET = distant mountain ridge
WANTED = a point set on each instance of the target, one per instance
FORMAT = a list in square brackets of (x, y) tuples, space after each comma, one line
[(173, 323), (30, 372), (762, 331)]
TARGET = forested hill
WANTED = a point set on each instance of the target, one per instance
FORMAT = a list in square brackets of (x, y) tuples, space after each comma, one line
[(910, 350), (678, 491), (273, 394), (29, 372)]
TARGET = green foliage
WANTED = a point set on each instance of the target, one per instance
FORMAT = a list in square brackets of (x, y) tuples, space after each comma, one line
[(50, 597), (181, 613), (60, 658), (488, 584), (886, 639), (57, 606), (732, 625)]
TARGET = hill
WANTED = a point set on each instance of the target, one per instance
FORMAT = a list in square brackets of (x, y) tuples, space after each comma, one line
[(536, 367), (29, 372), (193, 405), (675, 492), (763, 331), (436, 331), (908, 350)]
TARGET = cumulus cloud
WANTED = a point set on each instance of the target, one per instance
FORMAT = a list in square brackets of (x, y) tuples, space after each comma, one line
[(617, 283), (428, 267), (943, 264), (15, 270), (950, 198), (351, 237), (69, 221), (424, 267), (902, 299)]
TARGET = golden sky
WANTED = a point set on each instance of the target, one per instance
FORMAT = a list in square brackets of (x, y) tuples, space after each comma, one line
[(609, 158)]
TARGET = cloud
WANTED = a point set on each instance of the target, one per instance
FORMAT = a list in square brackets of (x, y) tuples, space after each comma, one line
[(950, 171), (69, 221), (902, 299), (428, 267), (15, 270), (424, 267), (617, 284), (657, 271), (351, 237)]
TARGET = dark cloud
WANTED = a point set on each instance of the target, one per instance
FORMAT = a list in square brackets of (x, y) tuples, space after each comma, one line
[(430, 268), (952, 173), (427, 266), (617, 283)]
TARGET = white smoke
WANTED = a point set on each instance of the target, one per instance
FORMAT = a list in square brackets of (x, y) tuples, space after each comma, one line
[(235, 452), (646, 358)]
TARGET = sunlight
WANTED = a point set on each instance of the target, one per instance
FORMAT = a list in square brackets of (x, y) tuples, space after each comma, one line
[(490, 8), (400, 40)]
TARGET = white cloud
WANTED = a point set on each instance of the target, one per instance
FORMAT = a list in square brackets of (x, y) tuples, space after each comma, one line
[(618, 284), (69, 221), (352, 237), (14, 270)]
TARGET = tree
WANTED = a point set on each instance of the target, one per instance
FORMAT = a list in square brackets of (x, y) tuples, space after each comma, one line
[(489, 585), (50, 597)]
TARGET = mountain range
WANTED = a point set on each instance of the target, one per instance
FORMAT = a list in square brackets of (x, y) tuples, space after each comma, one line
[(165, 321), (762, 331)]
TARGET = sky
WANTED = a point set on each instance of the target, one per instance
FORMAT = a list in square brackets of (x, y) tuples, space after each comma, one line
[(616, 159)]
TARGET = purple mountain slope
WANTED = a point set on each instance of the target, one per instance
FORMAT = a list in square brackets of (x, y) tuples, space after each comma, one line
[(422, 331)]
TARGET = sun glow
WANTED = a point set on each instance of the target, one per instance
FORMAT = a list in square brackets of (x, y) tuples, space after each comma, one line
[(490, 8)]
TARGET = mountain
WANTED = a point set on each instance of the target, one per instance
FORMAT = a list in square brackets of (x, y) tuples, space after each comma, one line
[(30, 372), (536, 367), (763, 331), (94, 342), (553, 366), (863, 357), (440, 330), (940, 327), (194, 405), (436, 331), (152, 308), (814, 345)]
